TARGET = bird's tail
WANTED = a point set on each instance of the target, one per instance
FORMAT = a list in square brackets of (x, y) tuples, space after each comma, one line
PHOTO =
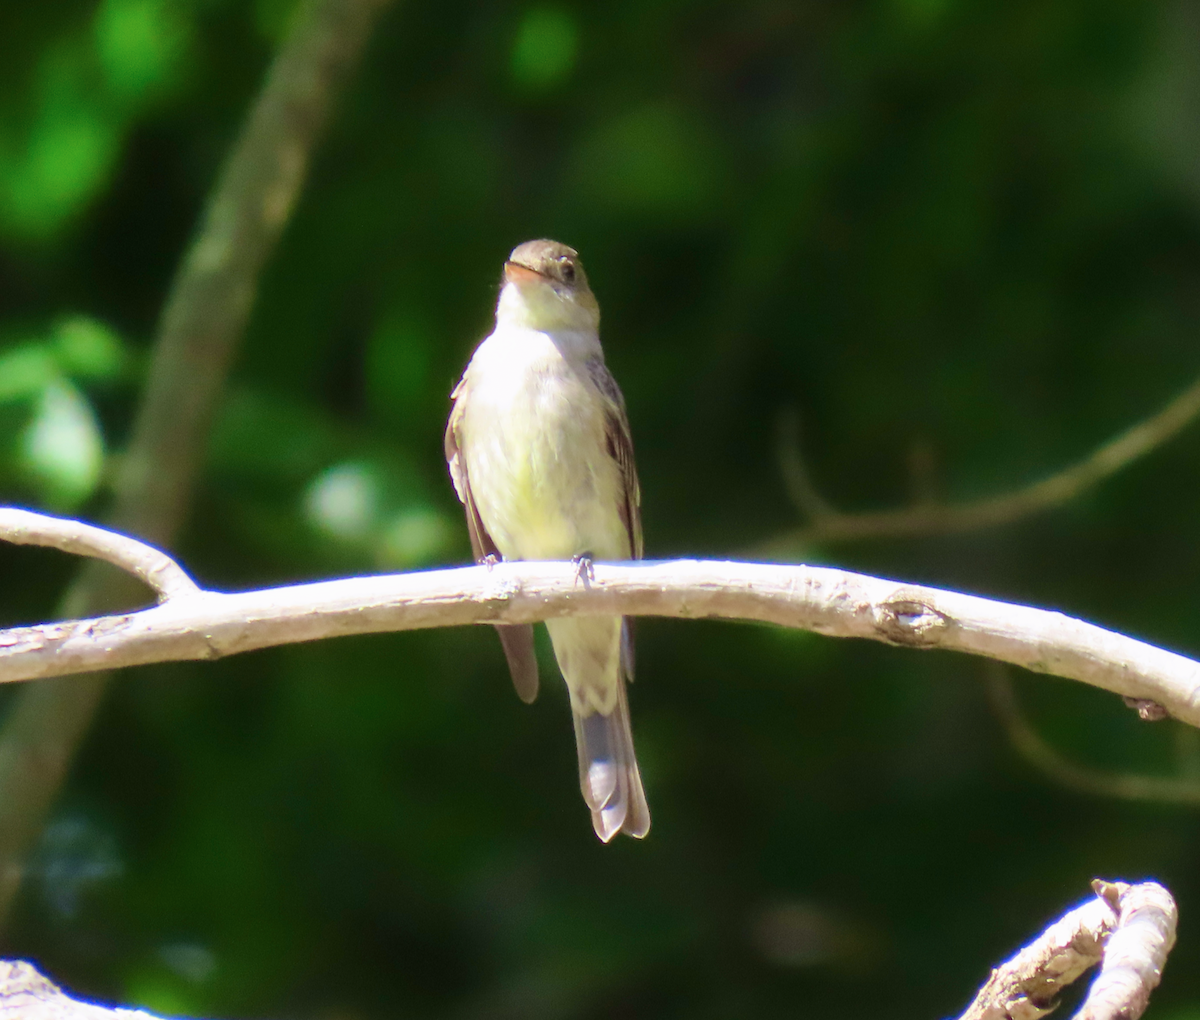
[(608, 770), (594, 656)]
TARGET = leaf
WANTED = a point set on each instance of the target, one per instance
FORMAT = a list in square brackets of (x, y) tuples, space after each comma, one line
[(26, 370), (343, 501), (414, 537), (88, 349), (62, 449)]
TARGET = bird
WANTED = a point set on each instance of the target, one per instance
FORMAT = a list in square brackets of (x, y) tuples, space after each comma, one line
[(539, 449)]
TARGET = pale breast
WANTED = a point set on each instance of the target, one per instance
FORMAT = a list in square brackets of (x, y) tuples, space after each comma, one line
[(533, 436)]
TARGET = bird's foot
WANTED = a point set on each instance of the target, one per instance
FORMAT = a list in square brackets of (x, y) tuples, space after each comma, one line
[(490, 560), (585, 569)]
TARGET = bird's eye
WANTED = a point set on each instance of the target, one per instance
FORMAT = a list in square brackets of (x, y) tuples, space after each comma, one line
[(568, 272)]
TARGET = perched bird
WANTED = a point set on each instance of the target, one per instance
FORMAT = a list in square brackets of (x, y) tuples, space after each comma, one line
[(539, 449)]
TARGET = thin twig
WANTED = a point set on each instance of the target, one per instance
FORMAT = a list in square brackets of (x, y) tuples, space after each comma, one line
[(830, 525), (155, 568), (1128, 929), (1034, 749), (202, 323), (793, 468), (837, 603)]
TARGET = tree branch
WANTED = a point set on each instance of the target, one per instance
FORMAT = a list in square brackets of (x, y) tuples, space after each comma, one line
[(156, 569), (202, 323), (27, 995), (1136, 952), (827, 524), (208, 625), (1128, 929)]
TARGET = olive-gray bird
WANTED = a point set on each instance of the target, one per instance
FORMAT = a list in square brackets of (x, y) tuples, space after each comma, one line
[(539, 450)]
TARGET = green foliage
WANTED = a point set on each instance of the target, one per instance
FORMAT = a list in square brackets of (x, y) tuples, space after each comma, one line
[(965, 229), (61, 449), (140, 44), (61, 133), (52, 442)]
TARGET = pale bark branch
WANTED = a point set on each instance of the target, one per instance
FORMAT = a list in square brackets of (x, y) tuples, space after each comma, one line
[(838, 603), (203, 320), (147, 564), (1127, 929), (1135, 955), (26, 994), (828, 524), (1027, 986)]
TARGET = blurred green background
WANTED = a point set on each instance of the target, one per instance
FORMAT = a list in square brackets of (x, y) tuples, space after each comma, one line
[(965, 229)]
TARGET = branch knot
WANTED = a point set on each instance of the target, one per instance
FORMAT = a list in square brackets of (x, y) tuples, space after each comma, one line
[(910, 621)]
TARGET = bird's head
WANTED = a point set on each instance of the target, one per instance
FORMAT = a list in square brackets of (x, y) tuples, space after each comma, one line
[(545, 288)]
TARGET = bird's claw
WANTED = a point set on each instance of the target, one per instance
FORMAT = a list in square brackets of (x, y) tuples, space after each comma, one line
[(585, 569), (490, 560)]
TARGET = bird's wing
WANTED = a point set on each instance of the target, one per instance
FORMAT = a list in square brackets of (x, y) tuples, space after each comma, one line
[(481, 542), (517, 639), (619, 443)]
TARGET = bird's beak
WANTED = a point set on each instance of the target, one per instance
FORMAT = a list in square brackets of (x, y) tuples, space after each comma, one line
[(516, 273)]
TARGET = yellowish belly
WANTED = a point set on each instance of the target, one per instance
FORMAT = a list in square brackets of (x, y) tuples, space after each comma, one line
[(543, 480)]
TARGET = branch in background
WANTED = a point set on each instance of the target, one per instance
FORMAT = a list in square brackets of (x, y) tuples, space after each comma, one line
[(202, 323), (827, 524), (1127, 929), (208, 625), (793, 468), (213, 293), (1042, 756)]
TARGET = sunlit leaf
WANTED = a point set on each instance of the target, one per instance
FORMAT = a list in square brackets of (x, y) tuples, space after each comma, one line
[(161, 992), (87, 348), (26, 370), (415, 537), (190, 960), (140, 44), (343, 501), (62, 449), (64, 164)]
